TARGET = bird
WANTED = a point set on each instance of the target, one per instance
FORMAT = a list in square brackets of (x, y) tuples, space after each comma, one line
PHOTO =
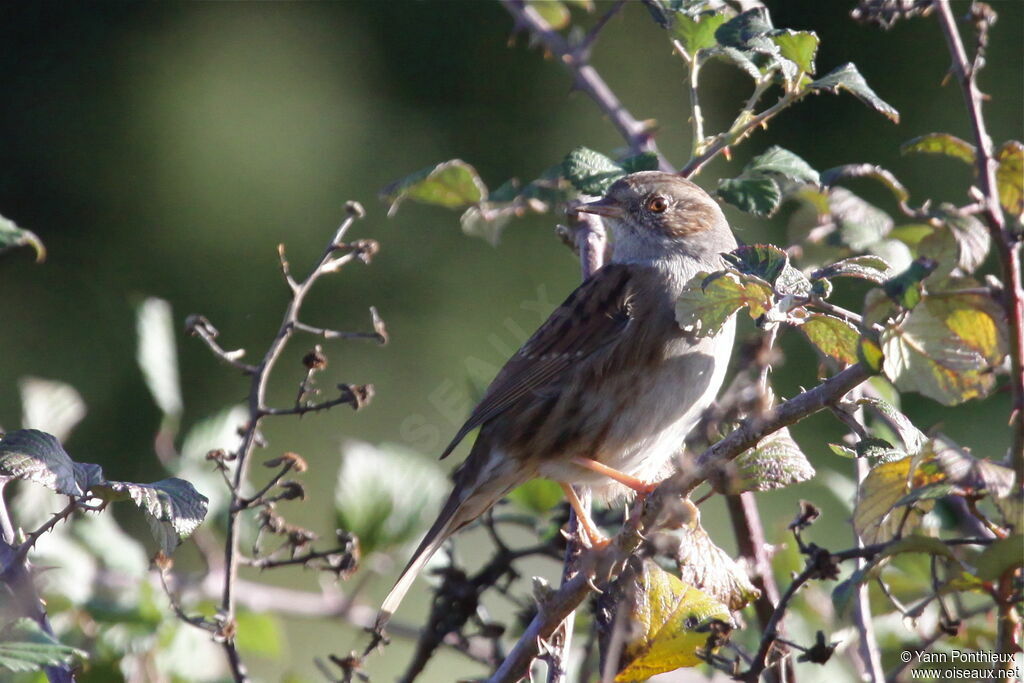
[(603, 394)]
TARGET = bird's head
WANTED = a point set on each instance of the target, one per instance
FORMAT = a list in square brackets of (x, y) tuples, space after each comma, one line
[(654, 215)]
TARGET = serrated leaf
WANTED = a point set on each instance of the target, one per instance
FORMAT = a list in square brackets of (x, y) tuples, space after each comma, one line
[(697, 32), (776, 462), (591, 172), (746, 30), (848, 78), (860, 224), (1002, 556), (173, 507), (709, 569), (736, 58), (760, 196), (972, 238), (781, 162), (946, 347), (38, 457), (708, 301), (452, 184), (50, 406), (800, 47), (1010, 178), (834, 175), (11, 236), (24, 646), (670, 622), (771, 264), (972, 476), (555, 13), (833, 337), (867, 267), (538, 496), (385, 511), (157, 354), (881, 489), (940, 143)]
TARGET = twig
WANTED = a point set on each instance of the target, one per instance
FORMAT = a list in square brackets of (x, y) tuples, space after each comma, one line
[(1007, 244), (587, 44), (636, 133)]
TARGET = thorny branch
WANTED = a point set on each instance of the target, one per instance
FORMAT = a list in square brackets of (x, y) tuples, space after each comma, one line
[(1008, 244)]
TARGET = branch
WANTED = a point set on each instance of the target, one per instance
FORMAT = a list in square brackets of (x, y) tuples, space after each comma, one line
[(603, 563), (1007, 244), (636, 133)]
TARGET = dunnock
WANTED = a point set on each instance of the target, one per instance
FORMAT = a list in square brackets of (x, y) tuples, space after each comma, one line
[(608, 387)]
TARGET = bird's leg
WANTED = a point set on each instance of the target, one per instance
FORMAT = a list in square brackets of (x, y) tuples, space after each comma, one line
[(638, 485), (596, 538)]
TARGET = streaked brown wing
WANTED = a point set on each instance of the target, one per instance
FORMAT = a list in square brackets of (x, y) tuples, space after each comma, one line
[(591, 318)]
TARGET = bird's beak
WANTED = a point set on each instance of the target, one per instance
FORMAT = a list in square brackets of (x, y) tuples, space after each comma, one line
[(606, 206)]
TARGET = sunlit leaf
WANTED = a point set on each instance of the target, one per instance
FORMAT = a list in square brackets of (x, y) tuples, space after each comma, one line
[(913, 438), (50, 406), (709, 569), (157, 354), (881, 489), (735, 57), (798, 46), (848, 78), (782, 163), (12, 236), (760, 196), (708, 301), (771, 264), (452, 184), (669, 622), (859, 223), (905, 289), (555, 13), (757, 189), (173, 507), (1010, 178), (776, 462), (834, 175), (833, 337), (746, 30), (972, 476), (645, 161), (24, 646), (697, 32), (591, 172), (946, 347), (941, 143), (971, 236)]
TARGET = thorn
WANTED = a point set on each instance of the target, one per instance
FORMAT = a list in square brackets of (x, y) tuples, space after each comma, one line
[(590, 582)]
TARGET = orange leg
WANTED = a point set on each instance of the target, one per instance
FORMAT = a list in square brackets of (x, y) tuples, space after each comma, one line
[(596, 538), (641, 487)]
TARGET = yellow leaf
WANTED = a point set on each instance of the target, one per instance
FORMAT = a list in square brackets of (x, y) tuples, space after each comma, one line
[(1010, 177), (886, 484), (670, 619)]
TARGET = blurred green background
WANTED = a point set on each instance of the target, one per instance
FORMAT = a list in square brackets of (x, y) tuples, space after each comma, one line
[(165, 150)]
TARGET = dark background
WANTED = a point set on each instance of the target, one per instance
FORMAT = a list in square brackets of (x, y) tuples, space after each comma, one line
[(166, 149)]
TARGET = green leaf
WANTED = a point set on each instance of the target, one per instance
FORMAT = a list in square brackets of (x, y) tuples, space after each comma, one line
[(157, 354), (697, 32), (645, 161), (452, 184), (670, 621), (970, 475), (878, 450), (972, 237), (860, 224), (776, 462), (537, 496), (783, 163), (708, 301), (12, 236), (709, 569), (842, 451), (905, 288), (1002, 556), (746, 30), (555, 13), (591, 172), (771, 264), (940, 143), (848, 78), (24, 646), (38, 457), (884, 485), (386, 511), (870, 354), (946, 347), (834, 175), (833, 337), (800, 47), (1010, 178), (913, 438), (872, 268), (173, 507), (259, 634), (760, 196), (736, 58)]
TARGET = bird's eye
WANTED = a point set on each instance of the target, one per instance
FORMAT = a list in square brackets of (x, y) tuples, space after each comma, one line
[(656, 204)]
